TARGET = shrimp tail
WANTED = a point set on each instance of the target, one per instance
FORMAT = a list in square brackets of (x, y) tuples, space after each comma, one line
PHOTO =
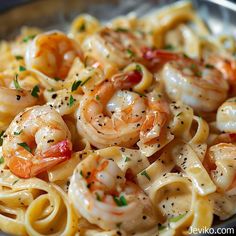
[(25, 168), (62, 148)]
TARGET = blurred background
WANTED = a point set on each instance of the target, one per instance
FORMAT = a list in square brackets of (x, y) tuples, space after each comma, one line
[(5, 4)]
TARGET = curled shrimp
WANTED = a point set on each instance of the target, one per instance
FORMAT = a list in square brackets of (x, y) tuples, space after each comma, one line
[(12, 102), (157, 116), (115, 48), (225, 64), (200, 86), (51, 54), (111, 115), (222, 165), (101, 193), (36, 140), (226, 115)]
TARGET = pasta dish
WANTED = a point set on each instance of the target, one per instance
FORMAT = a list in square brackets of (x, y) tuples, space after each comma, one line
[(118, 128)]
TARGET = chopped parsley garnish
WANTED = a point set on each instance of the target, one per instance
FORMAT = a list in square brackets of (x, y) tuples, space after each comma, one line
[(127, 159), (177, 218), (169, 47), (84, 82), (18, 133), (15, 181), (56, 78), (209, 66), (198, 73), (1, 160), (1, 138), (118, 225), (25, 146), (141, 94), (119, 29), (71, 101), (138, 68), (186, 56), (98, 197), (97, 97), (27, 38), (22, 68), (18, 57), (35, 91), (75, 85), (178, 114), (82, 28), (130, 52), (193, 66), (144, 173), (161, 227), (120, 201), (16, 83), (81, 173), (51, 90)]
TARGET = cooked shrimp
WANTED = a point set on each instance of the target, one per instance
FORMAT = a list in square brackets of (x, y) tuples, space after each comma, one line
[(12, 102), (226, 116), (222, 165), (157, 116), (197, 85), (36, 140), (51, 54), (225, 64), (110, 115), (101, 193), (113, 47)]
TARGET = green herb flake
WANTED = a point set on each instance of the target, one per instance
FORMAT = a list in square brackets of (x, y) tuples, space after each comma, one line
[(18, 133), (127, 159), (71, 101), (18, 57), (27, 38), (141, 94), (169, 47), (120, 201), (57, 78), (209, 66), (97, 97), (1, 137), (15, 181), (130, 52), (1, 160), (98, 197), (179, 114), (81, 173), (119, 29), (198, 73), (186, 56), (177, 218), (82, 28), (22, 68), (84, 82), (75, 85), (118, 225), (25, 146), (193, 66), (138, 68), (16, 82), (123, 201), (144, 173), (161, 227), (35, 91)]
